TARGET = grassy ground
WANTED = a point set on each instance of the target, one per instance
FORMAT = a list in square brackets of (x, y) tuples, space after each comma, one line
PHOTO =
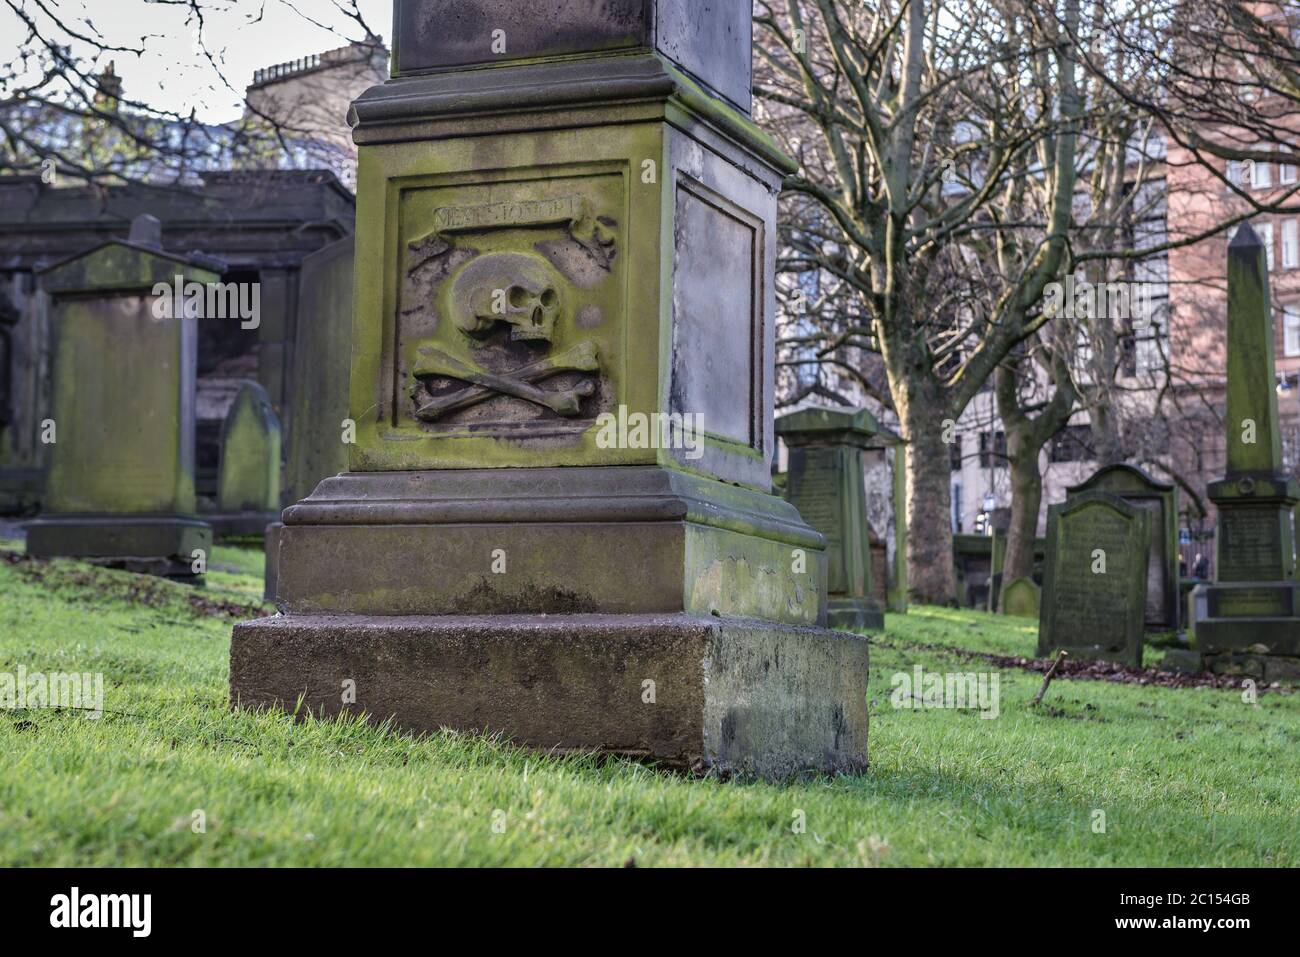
[(1183, 776)]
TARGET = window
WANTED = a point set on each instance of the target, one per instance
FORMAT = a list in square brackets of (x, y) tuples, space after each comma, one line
[(1265, 231), (1236, 172), (993, 449), (954, 453), (1286, 172), (1071, 444), (1290, 243), (1291, 330), (1147, 352), (1261, 174)]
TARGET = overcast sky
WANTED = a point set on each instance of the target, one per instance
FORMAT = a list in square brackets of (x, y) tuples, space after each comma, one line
[(241, 34)]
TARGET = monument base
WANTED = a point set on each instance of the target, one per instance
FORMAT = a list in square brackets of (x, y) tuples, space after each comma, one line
[(154, 545), (854, 614), (1250, 628), (694, 692)]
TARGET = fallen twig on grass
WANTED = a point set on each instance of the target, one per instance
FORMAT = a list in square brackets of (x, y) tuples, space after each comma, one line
[(1047, 678)]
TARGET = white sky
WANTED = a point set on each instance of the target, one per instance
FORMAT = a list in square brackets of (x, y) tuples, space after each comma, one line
[(242, 35)]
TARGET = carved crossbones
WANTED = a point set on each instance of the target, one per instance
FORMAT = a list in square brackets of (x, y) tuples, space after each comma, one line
[(517, 383)]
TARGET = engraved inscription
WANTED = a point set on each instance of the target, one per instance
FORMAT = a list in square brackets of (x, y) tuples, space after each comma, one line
[(1251, 603), (1092, 610), (1251, 546)]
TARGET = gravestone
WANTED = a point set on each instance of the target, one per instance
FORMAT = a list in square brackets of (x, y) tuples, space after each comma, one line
[(886, 480), (1138, 488), (1251, 623), (120, 487), (1094, 591), (825, 482), (248, 480), (549, 253), (322, 361), (1021, 598)]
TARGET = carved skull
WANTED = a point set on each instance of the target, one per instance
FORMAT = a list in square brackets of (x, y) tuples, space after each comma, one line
[(521, 289)]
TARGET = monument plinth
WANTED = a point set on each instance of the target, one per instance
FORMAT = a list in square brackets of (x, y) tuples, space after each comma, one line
[(120, 487), (826, 483), (1252, 622), (558, 520)]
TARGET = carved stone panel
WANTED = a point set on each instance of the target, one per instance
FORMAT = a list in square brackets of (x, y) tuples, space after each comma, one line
[(509, 308)]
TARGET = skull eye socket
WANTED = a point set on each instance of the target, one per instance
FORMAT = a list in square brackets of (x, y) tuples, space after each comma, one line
[(519, 296), (549, 298)]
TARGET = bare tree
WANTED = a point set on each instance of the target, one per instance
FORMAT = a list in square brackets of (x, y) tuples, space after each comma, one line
[(908, 128), (63, 111)]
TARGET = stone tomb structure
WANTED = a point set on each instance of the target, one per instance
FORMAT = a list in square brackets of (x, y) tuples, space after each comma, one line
[(1138, 488), (825, 482), (260, 223), (1251, 623), (593, 235), (1094, 592), (120, 488)]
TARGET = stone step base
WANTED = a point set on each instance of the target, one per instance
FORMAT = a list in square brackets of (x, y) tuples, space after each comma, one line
[(729, 695), (150, 544)]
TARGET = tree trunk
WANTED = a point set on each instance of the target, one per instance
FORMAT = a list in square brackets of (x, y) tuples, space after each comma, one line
[(1026, 436), (930, 578), (1026, 498)]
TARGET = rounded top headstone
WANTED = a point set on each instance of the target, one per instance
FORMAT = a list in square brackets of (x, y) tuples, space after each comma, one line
[(146, 230)]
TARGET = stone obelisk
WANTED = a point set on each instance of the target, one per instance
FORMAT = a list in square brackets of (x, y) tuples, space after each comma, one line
[(1252, 624), (558, 521)]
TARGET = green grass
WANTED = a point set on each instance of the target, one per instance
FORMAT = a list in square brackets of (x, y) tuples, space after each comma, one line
[(1185, 777)]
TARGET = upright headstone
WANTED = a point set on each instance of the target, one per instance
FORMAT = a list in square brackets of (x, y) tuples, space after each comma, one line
[(886, 480), (557, 522), (322, 359), (1021, 598), (120, 488), (1094, 592), (1252, 616), (825, 482), (248, 480), (1138, 488)]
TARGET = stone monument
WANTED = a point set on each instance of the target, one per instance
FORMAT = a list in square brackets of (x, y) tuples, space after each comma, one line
[(557, 522), (1021, 598), (120, 487), (321, 368), (248, 480), (824, 481), (1251, 623), (1095, 585), (1138, 488)]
